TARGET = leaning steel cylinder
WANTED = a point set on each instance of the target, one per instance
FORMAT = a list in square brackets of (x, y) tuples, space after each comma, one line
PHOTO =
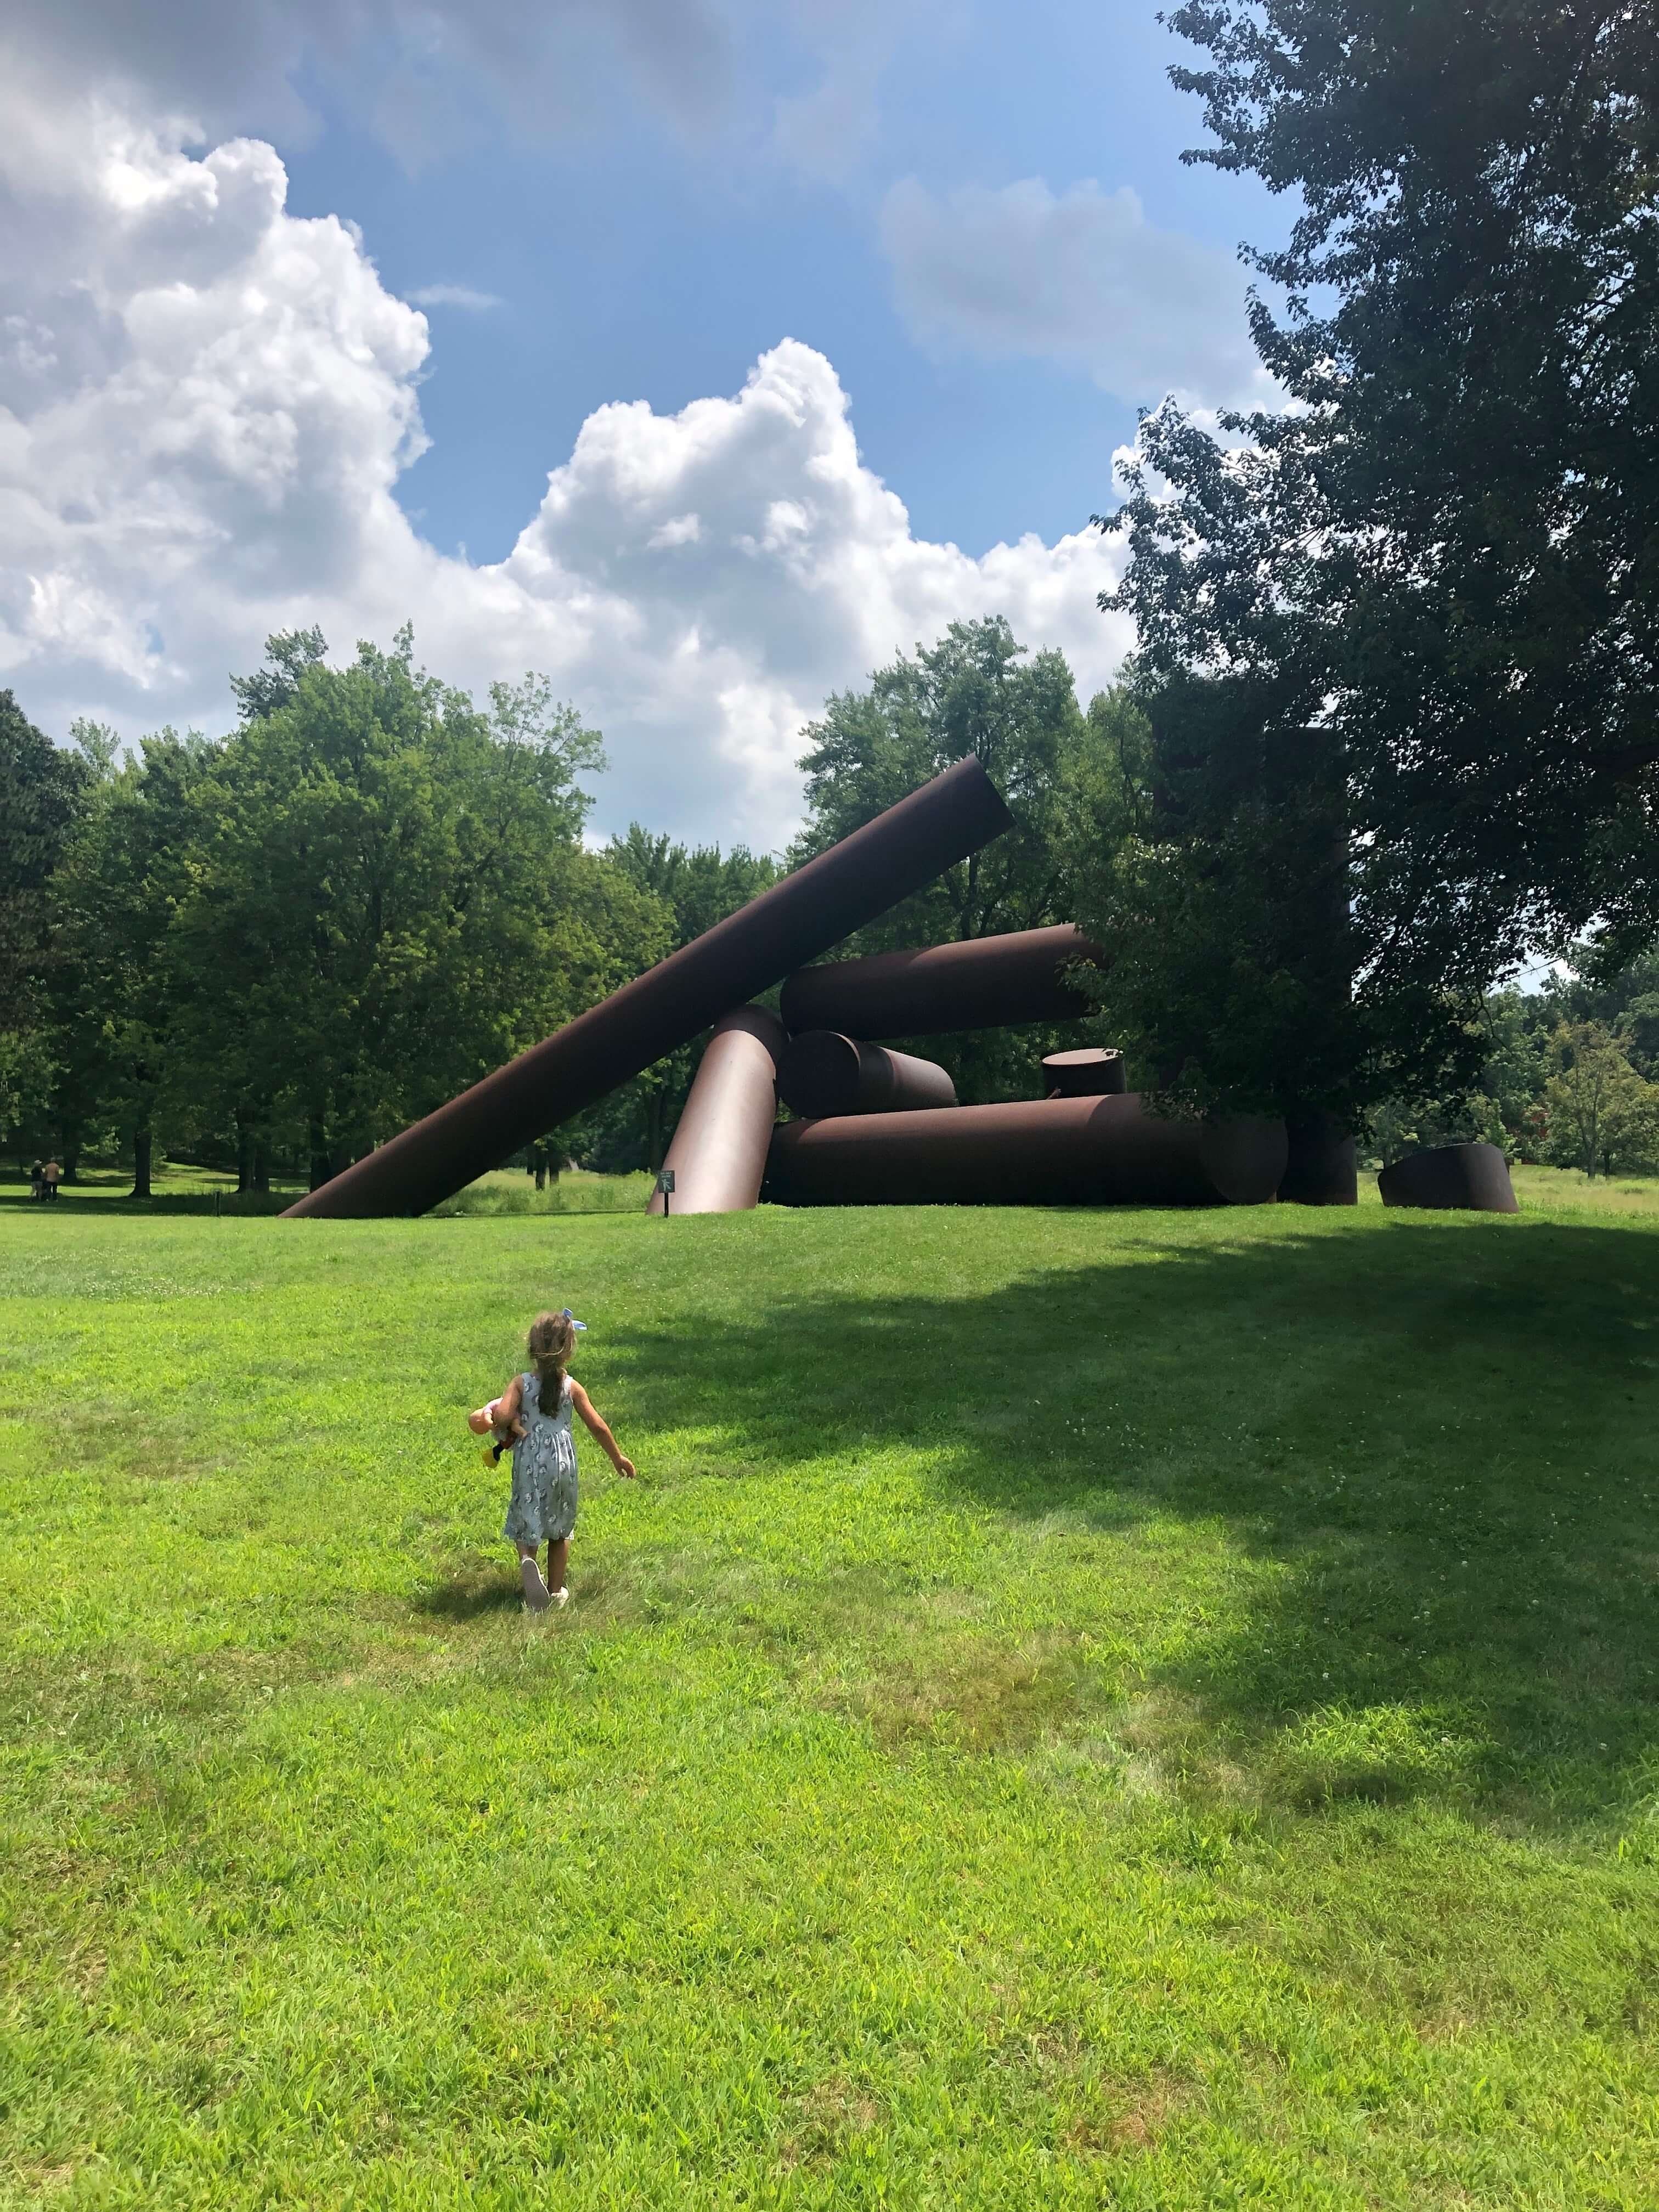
[(824, 1072), (1040, 1151), (718, 1149)]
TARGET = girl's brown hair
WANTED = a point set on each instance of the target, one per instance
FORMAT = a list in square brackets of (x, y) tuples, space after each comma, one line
[(552, 1341)]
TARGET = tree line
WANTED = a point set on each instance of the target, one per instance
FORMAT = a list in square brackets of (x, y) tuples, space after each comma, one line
[(270, 950)]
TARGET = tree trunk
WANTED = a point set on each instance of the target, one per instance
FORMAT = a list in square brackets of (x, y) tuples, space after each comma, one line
[(141, 1152), (244, 1158), (261, 1166), (322, 1168), (541, 1169)]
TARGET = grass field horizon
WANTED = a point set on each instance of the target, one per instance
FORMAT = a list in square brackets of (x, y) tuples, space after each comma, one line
[(1080, 1709)]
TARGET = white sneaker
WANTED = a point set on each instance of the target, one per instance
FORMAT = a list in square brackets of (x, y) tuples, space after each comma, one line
[(535, 1595), (562, 1596)]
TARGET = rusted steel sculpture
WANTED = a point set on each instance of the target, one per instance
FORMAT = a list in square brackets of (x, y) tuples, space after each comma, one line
[(1323, 1168), (824, 1072), (985, 983), (719, 1152), (898, 853), (1454, 1178), (1092, 1073), (1041, 1152)]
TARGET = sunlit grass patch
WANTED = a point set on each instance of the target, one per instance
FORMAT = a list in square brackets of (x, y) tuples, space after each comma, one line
[(505, 1192)]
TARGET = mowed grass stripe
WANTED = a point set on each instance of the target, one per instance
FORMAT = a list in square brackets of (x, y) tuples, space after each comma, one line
[(1140, 1709)]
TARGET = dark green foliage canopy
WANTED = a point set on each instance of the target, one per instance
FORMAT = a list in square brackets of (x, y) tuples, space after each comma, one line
[(1439, 566), (307, 934), (979, 691), (699, 885), (40, 790), (390, 896)]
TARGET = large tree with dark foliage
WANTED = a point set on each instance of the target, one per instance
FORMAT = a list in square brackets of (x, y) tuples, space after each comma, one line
[(126, 1051), (389, 896), (41, 790), (975, 690), (1431, 585)]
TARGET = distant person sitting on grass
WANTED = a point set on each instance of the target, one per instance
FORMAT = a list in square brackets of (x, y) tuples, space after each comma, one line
[(533, 1412)]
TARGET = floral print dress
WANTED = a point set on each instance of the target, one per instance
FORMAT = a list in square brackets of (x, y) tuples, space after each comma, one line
[(543, 1507)]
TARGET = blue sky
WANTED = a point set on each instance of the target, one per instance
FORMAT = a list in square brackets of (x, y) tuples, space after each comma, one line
[(702, 354), (637, 257)]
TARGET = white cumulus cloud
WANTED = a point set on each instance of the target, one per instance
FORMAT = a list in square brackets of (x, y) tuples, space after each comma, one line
[(205, 406), (1079, 276)]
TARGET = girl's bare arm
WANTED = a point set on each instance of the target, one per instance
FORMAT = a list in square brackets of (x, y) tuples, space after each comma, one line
[(596, 1422)]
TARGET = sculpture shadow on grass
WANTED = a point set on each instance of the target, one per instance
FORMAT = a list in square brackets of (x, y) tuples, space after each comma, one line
[(1431, 1444)]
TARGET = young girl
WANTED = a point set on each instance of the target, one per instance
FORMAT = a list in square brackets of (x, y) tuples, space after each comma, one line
[(534, 1411)]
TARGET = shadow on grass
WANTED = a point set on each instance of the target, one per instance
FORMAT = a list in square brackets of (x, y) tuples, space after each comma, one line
[(475, 1593), (1435, 1435)]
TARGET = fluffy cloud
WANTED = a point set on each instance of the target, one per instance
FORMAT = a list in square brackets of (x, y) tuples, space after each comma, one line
[(1080, 277), (205, 405)]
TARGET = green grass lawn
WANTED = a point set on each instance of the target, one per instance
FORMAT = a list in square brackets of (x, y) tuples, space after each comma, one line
[(1124, 1709)]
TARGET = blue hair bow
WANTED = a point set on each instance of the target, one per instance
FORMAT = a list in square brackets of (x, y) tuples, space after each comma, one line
[(566, 1314)]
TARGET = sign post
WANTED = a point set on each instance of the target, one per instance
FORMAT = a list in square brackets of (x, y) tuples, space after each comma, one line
[(666, 1185)]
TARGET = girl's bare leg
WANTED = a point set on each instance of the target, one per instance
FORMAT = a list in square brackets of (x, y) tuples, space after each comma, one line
[(558, 1555)]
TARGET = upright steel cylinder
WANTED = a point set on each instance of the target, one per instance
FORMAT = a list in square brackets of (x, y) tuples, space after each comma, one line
[(1093, 1073), (718, 1149), (824, 1072), (898, 853), (1040, 1152), (985, 983), (1323, 1167)]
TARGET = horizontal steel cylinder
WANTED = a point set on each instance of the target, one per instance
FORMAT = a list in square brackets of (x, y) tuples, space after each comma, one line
[(1094, 1072), (718, 1150), (1040, 1152), (900, 852), (824, 1072), (985, 983)]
